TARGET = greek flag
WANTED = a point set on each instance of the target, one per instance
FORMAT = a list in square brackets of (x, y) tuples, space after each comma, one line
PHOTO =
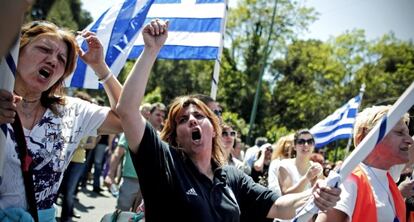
[(195, 30), (338, 125), (117, 29), (8, 65)]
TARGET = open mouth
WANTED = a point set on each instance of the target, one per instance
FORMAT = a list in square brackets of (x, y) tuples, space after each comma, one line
[(404, 148), (196, 135), (45, 73)]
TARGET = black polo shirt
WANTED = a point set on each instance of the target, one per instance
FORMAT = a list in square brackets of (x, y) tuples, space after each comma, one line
[(174, 190)]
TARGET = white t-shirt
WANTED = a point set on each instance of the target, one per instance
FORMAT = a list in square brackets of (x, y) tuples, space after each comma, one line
[(290, 166), (51, 144), (383, 198), (273, 179), (250, 155)]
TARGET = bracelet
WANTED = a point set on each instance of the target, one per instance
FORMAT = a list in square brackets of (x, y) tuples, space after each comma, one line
[(106, 78)]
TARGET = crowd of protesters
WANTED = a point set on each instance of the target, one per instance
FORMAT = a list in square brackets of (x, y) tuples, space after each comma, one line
[(186, 157)]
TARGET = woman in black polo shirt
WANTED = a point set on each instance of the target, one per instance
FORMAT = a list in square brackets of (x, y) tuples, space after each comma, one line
[(183, 177)]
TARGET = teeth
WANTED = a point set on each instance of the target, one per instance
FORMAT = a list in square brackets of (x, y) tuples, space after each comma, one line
[(44, 73)]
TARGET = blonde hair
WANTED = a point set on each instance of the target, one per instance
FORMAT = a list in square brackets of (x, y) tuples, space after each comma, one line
[(284, 147), (368, 118), (169, 133), (33, 30)]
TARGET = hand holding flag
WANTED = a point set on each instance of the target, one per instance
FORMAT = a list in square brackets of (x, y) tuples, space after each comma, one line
[(117, 28)]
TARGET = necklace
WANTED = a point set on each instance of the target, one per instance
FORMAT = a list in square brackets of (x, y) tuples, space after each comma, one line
[(26, 105), (386, 191), (26, 100), (34, 119), (30, 101), (29, 113)]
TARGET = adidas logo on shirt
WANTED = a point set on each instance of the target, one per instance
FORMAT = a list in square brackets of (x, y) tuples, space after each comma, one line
[(191, 192)]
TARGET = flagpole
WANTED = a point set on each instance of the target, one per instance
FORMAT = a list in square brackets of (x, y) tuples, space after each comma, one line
[(259, 84), (216, 72), (361, 94)]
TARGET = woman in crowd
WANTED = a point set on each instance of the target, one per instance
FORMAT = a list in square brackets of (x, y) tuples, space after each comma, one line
[(299, 173), (260, 169), (53, 123), (283, 149), (185, 178), (369, 192), (238, 149), (228, 136)]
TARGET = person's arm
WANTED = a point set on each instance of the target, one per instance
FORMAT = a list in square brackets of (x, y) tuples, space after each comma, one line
[(90, 143), (12, 15), (113, 166), (111, 138), (332, 215), (285, 206), (285, 180), (286, 183), (132, 94), (272, 179), (94, 57), (259, 163)]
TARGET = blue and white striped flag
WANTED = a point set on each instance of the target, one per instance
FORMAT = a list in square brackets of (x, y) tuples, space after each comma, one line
[(195, 31), (117, 29), (8, 65), (338, 125)]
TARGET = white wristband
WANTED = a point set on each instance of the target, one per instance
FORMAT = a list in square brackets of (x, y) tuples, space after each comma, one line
[(106, 78)]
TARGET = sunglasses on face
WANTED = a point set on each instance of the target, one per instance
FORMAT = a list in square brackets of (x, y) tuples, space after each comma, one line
[(231, 133), (303, 141), (218, 112)]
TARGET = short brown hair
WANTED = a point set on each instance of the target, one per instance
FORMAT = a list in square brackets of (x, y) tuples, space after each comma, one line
[(36, 29)]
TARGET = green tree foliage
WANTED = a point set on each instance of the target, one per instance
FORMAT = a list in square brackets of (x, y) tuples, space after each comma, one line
[(389, 72), (61, 14), (83, 18), (248, 29), (178, 77), (315, 78), (154, 96), (65, 13)]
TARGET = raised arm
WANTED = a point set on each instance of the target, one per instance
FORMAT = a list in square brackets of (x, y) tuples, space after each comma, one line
[(94, 57), (132, 94)]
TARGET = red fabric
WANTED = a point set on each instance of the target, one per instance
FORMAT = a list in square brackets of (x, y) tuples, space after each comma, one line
[(365, 209), (398, 199)]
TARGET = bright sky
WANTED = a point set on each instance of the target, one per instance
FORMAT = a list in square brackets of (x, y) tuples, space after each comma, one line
[(376, 17)]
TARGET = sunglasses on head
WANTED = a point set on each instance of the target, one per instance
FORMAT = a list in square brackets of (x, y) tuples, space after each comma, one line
[(303, 141), (226, 133), (218, 112)]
